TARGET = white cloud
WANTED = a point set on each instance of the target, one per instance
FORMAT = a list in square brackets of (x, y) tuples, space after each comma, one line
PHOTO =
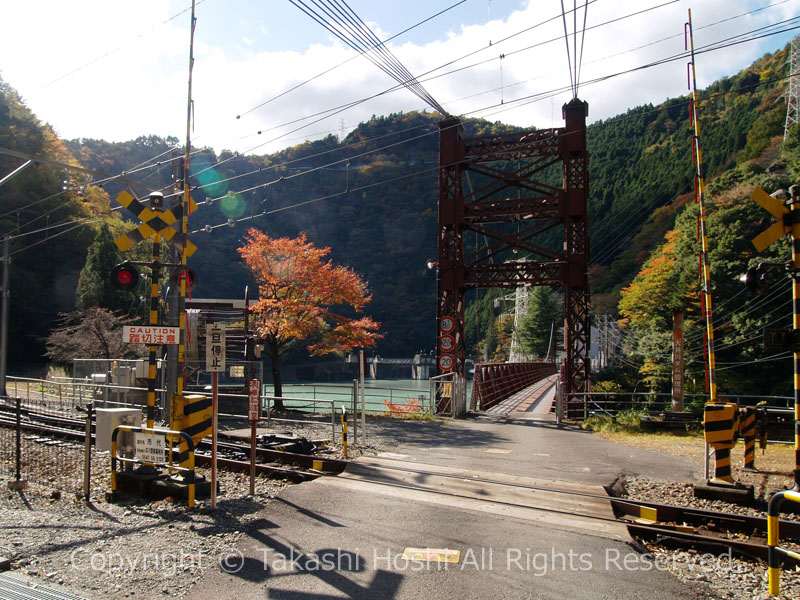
[(137, 67)]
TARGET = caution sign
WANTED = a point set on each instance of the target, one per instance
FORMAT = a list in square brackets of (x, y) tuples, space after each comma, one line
[(152, 334)]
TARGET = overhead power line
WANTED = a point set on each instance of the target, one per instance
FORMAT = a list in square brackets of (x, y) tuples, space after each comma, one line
[(346, 25), (325, 72)]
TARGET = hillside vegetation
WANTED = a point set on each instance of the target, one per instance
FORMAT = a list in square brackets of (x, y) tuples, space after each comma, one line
[(372, 198)]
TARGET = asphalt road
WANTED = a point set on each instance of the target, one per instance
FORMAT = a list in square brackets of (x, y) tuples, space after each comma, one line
[(351, 546), (346, 537)]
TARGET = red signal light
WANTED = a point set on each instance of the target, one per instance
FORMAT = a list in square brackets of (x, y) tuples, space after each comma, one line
[(184, 273), (124, 277)]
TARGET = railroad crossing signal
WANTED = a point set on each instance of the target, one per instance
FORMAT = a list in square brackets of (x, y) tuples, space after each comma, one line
[(778, 210), (154, 221), (124, 277)]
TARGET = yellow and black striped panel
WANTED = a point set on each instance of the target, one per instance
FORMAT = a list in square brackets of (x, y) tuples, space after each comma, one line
[(719, 423), (749, 435), (191, 414), (153, 222), (197, 416)]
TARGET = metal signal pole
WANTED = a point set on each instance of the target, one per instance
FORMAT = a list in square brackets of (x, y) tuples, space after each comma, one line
[(185, 216), (794, 207)]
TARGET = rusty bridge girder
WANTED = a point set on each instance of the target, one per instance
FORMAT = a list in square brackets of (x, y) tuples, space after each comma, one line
[(516, 196)]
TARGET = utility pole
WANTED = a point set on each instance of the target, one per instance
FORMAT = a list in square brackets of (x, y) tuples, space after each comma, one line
[(4, 317)]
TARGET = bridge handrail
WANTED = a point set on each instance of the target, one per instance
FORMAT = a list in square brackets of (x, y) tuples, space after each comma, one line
[(494, 382)]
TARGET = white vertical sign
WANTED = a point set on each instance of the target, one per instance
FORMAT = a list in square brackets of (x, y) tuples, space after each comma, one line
[(215, 348)]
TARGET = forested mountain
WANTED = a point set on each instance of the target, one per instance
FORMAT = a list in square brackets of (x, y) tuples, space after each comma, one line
[(372, 197)]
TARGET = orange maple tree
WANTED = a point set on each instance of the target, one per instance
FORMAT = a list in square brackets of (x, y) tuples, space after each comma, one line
[(301, 298)]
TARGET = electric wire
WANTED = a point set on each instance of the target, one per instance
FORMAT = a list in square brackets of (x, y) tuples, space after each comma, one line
[(566, 40), (110, 52), (113, 177), (361, 39), (341, 108), (610, 120), (351, 104), (491, 45), (317, 76)]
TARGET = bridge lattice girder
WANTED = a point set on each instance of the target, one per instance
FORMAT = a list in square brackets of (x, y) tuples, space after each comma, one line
[(515, 195)]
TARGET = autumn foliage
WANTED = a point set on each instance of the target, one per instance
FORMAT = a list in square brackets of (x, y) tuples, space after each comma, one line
[(302, 296)]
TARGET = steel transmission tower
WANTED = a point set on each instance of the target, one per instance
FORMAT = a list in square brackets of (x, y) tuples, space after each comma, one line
[(792, 101)]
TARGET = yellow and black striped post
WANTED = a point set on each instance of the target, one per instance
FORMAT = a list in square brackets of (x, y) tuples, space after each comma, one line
[(344, 431), (191, 414), (722, 454), (795, 232), (749, 435), (151, 369), (775, 552), (719, 425)]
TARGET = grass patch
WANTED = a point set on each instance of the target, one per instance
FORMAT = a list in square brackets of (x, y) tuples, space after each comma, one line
[(626, 421), (773, 467)]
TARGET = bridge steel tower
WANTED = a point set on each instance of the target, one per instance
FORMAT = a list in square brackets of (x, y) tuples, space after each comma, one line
[(510, 169)]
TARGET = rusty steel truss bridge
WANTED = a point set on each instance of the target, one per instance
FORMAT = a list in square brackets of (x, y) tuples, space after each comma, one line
[(510, 206)]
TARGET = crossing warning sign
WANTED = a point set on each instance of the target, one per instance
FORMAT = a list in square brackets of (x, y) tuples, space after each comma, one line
[(154, 222)]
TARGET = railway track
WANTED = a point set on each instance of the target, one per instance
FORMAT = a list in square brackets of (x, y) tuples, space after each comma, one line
[(662, 524), (274, 463)]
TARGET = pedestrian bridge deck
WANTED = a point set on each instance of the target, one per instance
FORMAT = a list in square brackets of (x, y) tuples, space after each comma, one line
[(535, 401)]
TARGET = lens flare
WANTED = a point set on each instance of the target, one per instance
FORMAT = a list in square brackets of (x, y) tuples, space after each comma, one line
[(232, 205), (208, 177)]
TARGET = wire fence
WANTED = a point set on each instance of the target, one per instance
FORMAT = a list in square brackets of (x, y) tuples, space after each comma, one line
[(60, 458), (56, 458)]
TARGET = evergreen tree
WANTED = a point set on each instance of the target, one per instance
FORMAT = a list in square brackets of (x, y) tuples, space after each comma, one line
[(94, 284), (544, 309)]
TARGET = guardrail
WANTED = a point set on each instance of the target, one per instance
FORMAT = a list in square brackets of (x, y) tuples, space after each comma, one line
[(189, 470), (377, 400), (774, 551), (494, 382), (63, 396)]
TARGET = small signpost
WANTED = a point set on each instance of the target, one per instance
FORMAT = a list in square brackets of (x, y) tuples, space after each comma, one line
[(150, 447), (215, 363), (253, 414), (362, 370), (677, 360)]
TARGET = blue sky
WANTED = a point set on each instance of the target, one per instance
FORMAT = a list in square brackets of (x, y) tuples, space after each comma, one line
[(117, 70)]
